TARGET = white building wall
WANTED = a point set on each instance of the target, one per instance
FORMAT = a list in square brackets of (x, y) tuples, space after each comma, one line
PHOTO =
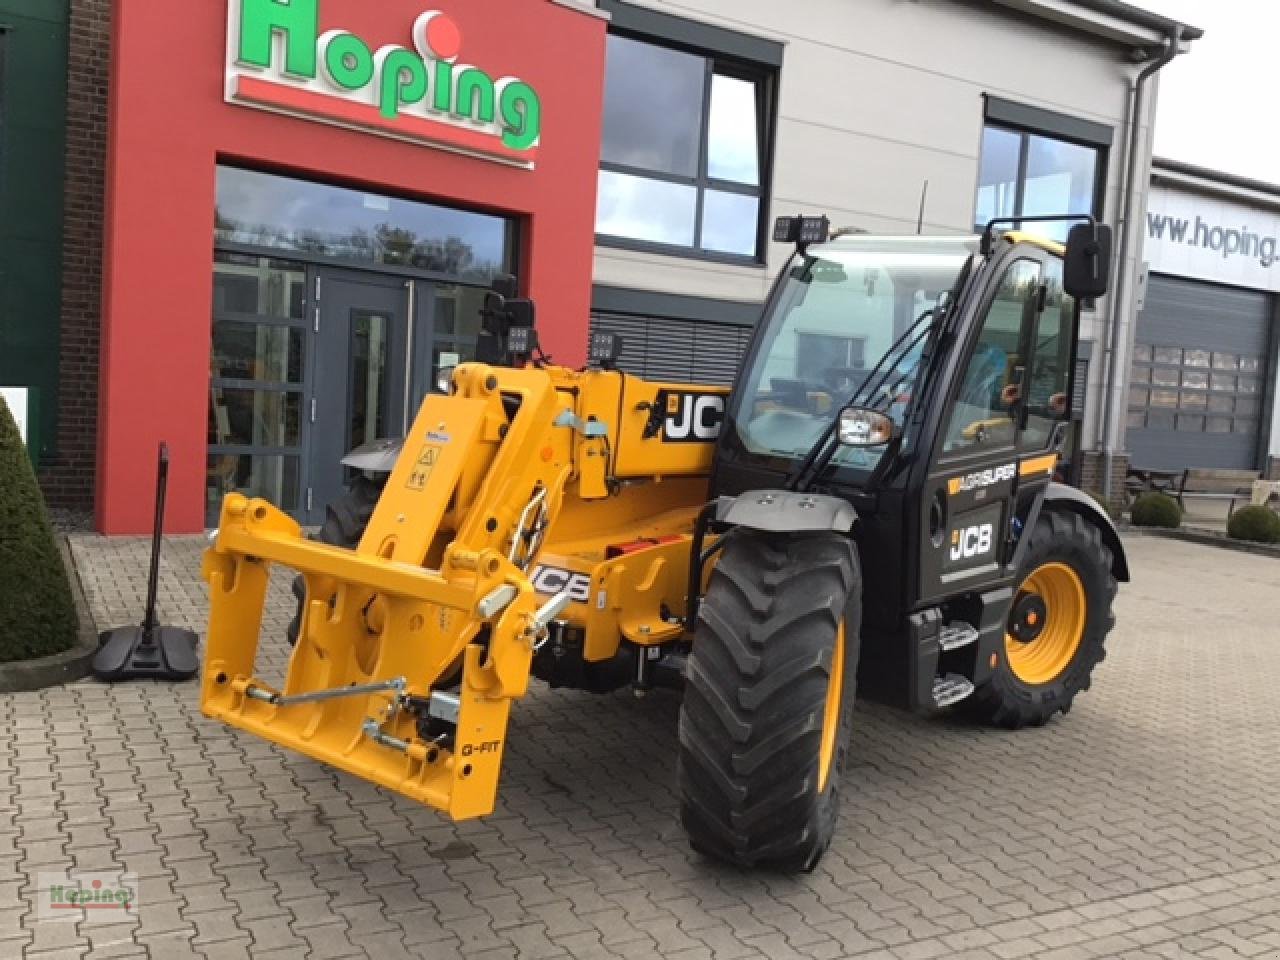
[(878, 96)]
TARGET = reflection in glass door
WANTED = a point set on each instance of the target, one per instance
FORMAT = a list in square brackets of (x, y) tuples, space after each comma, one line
[(362, 346), (257, 382)]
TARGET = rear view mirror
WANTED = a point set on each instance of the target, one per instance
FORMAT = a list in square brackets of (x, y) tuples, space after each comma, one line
[(1087, 262), (862, 427)]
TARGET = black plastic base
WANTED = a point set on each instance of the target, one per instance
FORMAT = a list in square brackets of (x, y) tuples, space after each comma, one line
[(169, 653)]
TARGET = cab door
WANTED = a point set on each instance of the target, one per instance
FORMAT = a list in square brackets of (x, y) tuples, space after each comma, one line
[(999, 429)]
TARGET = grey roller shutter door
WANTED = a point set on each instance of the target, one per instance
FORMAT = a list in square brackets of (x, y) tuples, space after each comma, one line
[(680, 351), (1196, 388)]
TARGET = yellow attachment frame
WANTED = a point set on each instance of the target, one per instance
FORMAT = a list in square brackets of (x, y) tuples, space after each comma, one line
[(433, 618)]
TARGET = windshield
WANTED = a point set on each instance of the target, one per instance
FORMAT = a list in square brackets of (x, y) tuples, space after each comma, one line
[(850, 320)]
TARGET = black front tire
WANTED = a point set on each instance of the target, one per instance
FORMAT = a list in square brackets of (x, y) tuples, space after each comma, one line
[(1008, 701), (756, 698), (344, 524)]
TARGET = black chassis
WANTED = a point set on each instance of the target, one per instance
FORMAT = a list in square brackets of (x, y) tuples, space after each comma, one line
[(897, 526)]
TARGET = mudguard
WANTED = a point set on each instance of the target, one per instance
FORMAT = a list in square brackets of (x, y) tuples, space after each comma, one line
[(785, 511), (1069, 498), (377, 456)]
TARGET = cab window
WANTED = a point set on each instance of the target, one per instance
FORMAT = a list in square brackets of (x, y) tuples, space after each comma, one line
[(984, 412), (1050, 362)]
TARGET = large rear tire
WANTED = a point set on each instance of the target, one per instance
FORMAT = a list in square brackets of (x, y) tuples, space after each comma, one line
[(768, 702), (344, 524), (1059, 621)]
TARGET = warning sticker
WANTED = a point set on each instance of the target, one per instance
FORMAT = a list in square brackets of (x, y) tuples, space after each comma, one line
[(422, 467)]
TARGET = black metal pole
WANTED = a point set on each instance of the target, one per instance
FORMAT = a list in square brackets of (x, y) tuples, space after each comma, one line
[(153, 580)]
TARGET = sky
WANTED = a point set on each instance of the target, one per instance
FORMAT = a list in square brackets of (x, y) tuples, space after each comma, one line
[(1216, 102)]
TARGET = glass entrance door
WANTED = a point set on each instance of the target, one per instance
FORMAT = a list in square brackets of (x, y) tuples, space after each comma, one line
[(363, 372)]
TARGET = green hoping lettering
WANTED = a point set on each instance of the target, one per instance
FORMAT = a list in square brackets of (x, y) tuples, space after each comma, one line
[(298, 21), (475, 96), (521, 115), (404, 81), (349, 61)]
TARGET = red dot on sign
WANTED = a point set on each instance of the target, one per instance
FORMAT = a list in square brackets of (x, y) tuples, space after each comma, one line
[(97, 884), (444, 37)]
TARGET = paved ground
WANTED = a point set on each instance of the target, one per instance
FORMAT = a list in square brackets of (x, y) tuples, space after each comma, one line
[(1142, 825)]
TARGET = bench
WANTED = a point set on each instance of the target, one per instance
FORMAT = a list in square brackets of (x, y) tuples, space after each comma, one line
[(1233, 485)]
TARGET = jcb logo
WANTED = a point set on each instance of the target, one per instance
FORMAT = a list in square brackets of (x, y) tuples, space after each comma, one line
[(553, 580), (693, 417), (970, 542)]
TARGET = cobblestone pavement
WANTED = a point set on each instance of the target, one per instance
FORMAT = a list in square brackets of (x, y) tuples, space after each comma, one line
[(1142, 825)]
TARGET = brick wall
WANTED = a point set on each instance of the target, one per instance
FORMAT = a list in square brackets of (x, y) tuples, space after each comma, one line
[(1092, 467), (68, 480)]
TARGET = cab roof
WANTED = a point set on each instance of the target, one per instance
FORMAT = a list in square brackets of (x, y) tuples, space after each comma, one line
[(1044, 243)]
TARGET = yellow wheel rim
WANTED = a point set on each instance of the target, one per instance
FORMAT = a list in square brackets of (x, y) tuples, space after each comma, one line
[(1043, 659), (831, 713)]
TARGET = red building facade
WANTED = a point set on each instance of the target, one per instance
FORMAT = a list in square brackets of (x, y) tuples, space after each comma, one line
[(305, 202)]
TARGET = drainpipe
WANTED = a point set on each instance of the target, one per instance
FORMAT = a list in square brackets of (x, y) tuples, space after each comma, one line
[(1119, 315)]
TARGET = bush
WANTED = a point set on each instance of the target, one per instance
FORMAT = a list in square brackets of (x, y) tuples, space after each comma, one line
[(37, 613), (1156, 510), (1258, 524)]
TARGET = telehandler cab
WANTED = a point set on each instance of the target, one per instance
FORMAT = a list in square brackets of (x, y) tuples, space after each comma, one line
[(871, 506)]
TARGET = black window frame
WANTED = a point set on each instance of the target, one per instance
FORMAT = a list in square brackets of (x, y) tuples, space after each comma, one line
[(726, 53), (1026, 121)]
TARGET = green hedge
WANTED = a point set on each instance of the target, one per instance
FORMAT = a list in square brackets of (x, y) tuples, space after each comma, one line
[(37, 613), (1156, 510), (1259, 524)]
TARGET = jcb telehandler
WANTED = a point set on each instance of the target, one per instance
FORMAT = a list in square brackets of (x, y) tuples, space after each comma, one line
[(871, 506)]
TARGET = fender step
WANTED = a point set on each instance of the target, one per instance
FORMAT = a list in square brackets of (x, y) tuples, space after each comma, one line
[(950, 689), (953, 636)]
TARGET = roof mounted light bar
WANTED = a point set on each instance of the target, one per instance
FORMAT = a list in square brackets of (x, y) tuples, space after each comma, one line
[(802, 231)]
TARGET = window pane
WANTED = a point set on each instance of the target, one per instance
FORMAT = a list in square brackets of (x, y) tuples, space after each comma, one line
[(983, 414), (652, 107), (1221, 403), (1060, 179), (258, 285), (733, 139), (730, 222), (254, 418), (270, 211), (370, 397), (1165, 376), (257, 351), (1046, 391), (272, 477), (1196, 358), (643, 209), (998, 175)]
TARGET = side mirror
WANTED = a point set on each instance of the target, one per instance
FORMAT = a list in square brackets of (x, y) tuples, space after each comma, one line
[(1087, 263), (861, 427)]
